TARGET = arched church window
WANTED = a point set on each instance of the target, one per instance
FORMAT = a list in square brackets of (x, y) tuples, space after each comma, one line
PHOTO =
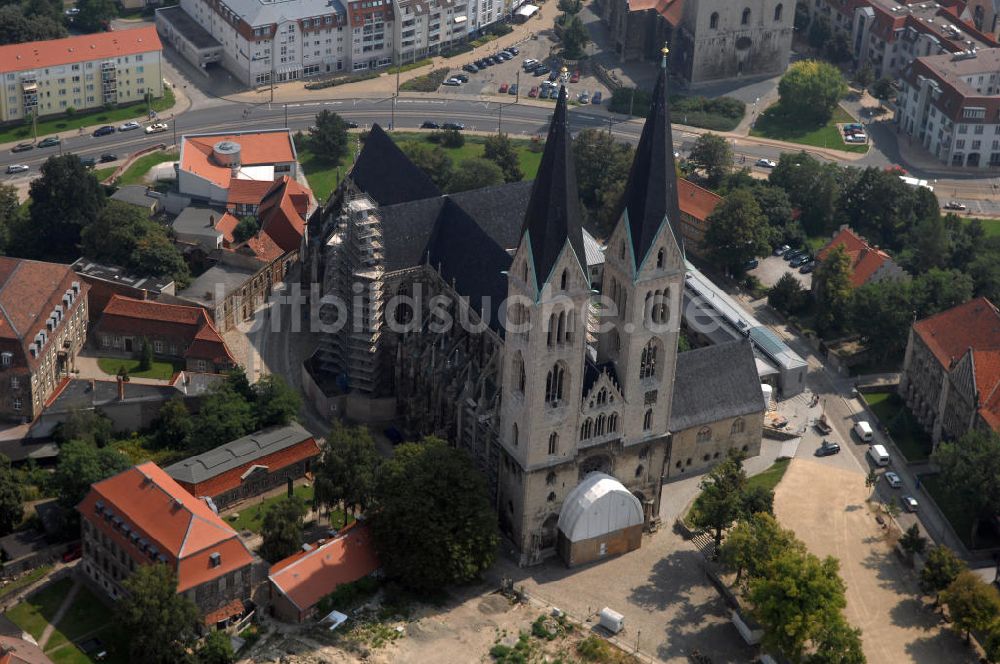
[(704, 435), (550, 479), (552, 497), (564, 280), (600, 425), (613, 423), (638, 470), (739, 426), (513, 434), (647, 420), (553, 442), (519, 376), (554, 385), (777, 12), (585, 429), (746, 17), (713, 21), (647, 360), (621, 250), (659, 259)]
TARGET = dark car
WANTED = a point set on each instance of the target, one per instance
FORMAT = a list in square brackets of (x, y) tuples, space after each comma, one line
[(793, 254), (493, 60), (554, 76), (799, 261), (462, 77), (807, 268), (827, 449), (541, 70), (351, 124), (49, 142), (428, 124), (596, 99), (544, 93), (94, 648), (751, 264), (22, 147), (104, 131), (108, 156), (394, 435), (503, 56), (88, 162), (472, 69), (456, 126), (481, 64), (513, 50), (512, 90)]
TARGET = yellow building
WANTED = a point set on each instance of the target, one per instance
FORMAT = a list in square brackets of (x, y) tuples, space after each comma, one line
[(83, 72)]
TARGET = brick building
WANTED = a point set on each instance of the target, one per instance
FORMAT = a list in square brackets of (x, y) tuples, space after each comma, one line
[(696, 205), (174, 331), (248, 466), (299, 582), (951, 372), (141, 516), (868, 263), (43, 327), (108, 280)]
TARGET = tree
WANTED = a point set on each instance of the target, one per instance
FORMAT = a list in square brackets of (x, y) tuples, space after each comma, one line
[(936, 290), (246, 229), (970, 470), (802, 17), (80, 465), (864, 76), (123, 235), (10, 213), (838, 48), (796, 600), (721, 499), (972, 603), (819, 32), (837, 643), (435, 525), (156, 255), (159, 621), (16, 27), (602, 167), (787, 295), (574, 35), (328, 137), (499, 149), (929, 245), (217, 649), (570, 6), (871, 481), (912, 542), (95, 15), (882, 89), (145, 356), (757, 500), (737, 232), (940, 569), (65, 198), (173, 426), (11, 498), (992, 643), (883, 208), (779, 213), (810, 90), (276, 402), (812, 187), (447, 138), (753, 543), (282, 528), (90, 426), (475, 173), (433, 161), (882, 312), (832, 286), (714, 155), (224, 415), (347, 470)]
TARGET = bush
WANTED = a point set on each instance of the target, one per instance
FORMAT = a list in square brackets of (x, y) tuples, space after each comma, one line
[(499, 29), (410, 65), (457, 49), (340, 80), (426, 83), (448, 138), (348, 594), (623, 99)]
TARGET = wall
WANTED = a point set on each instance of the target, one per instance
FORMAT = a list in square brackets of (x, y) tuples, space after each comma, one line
[(599, 548), (690, 454), (283, 609)]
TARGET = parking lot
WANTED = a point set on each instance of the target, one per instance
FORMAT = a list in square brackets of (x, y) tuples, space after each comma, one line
[(770, 269), (497, 79)]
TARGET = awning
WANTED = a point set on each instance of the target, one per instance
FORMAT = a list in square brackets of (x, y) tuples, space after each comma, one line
[(527, 11), (460, 19)]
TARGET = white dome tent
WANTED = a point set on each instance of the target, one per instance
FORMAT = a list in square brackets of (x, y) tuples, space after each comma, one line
[(600, 517)]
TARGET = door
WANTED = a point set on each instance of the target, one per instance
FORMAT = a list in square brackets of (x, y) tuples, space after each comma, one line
[(128, 345)]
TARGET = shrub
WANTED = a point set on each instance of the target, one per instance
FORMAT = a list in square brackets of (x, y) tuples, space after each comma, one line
[(428, 82), (348, 594), (340, 80), (448, 138)]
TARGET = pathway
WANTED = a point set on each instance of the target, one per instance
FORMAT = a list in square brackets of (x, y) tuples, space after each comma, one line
[(66, 603)]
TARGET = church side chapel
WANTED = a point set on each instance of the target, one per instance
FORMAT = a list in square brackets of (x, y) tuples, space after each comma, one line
[(575, 413)]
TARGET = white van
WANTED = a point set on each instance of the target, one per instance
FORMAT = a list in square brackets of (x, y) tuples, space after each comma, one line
[(864, 432), (879, 455)]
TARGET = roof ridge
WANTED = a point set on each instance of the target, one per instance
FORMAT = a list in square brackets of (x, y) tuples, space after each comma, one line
[(3, 309)]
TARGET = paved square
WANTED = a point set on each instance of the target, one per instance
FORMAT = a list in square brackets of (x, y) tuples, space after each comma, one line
[(825, 506)]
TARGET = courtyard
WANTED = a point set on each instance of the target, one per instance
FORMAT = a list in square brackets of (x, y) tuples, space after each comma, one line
[(826, 507)]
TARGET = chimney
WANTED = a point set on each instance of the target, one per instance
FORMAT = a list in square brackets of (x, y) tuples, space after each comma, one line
[(211, 221), (121, 389)]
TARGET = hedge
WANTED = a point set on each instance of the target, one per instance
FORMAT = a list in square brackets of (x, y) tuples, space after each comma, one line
[(426, 83)]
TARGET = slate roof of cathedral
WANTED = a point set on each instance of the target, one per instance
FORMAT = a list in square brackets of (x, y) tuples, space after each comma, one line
[(715, 383), (385, 173)]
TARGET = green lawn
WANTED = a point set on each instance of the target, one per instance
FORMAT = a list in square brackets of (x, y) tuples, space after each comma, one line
[(251, 517), (135, 173), (990, 226), (774, 124), (906, 432), (474, 146), (25, 580), (54, 125), (959, 517), (33, 614), (323, 177), (159, 370), (102, 173)]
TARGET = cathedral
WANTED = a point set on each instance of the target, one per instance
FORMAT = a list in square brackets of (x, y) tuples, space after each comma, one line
[(476, 317)]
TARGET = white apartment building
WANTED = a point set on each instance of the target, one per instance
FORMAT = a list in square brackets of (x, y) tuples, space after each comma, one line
[(950, 104), (484, 12), (888, 35), (256, 40), (426, 27), (83, 72), (372, 31)]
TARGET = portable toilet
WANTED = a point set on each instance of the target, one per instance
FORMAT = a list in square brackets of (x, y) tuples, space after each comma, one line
[(612, 621)]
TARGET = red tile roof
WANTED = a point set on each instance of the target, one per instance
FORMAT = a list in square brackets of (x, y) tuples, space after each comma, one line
[(257, 148), (987, 367), (865, 259), (96, 46), (281, 213), (671, 10), (150, 318), (696, 201), (18, 651), (233, 608), (308, 576), (262, 247), (182, 528), (247, 192), (227, 225)]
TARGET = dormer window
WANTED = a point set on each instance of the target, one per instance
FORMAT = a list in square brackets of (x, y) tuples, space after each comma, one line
[(215, 560), (6, 359)]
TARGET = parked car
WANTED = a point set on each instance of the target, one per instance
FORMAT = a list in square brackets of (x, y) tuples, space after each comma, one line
[(766, 163), (23, 147), (452, 82), (575, 77), (512, 90), (49, 142), (828, 448), (801, 260), (17, 168), (781, 250), (72, 11), (751, 264), (955, 205), (503, 88), (351, 124), (462, 77), (808, 267), (583, 97), (910, 503), (457, 126), (108, 156), (493, 60), (542, 70), (792, 254), (157, 127), (533, 92), (514, 50), (104, 131), (72, 553), (544, 93), (481, 64), (553, 75), (129, 126), (94, 648), (529, 62), (88, 162), (471, 68), (893, 480), (428, 124), (822, 426), (597, 98)]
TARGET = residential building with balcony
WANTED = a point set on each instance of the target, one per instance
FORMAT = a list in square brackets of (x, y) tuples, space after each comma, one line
[(81, 72), (950, 105), (426, 27), (372, 30), (43, 327), (261, 39)]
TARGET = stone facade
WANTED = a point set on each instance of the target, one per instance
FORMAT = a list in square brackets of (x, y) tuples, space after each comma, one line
[(697, 449)]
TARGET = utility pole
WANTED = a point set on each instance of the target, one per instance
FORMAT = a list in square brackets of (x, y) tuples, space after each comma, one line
[(174, 125), (392, 120), (517, 79), (272, 73), (286, 115)]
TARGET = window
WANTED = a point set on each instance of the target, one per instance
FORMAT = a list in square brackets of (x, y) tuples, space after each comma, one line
[(647, 361), (550, 479), (202, 365), (659, 259), (600, 425), (14, 382), (553, 442), (519, 377), (647, 420), (586, 428), (777, 13), (17, 403), (552, 497), (704, 435), (639, 470), (513, 434), (6, 358), (564, 280), (613, 423), (739, 425), (746, 17), (157, 346), (713, 22), (554, 385)]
